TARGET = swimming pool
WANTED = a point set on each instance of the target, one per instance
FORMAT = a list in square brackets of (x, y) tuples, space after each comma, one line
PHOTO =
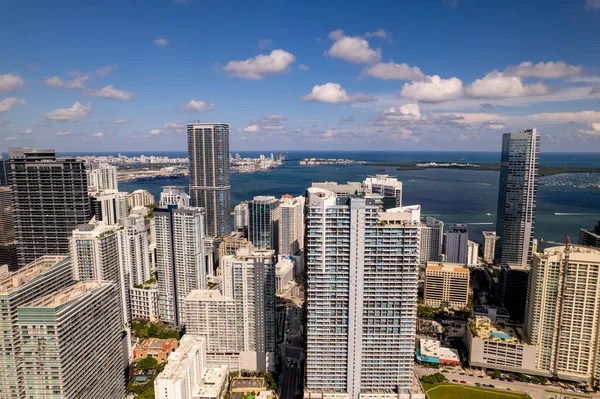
[(498, 334)]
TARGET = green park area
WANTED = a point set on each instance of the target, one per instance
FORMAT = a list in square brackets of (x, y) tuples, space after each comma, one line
[(455, 391)]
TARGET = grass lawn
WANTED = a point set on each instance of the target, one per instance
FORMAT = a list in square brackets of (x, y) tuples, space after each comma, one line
[(460, 391)]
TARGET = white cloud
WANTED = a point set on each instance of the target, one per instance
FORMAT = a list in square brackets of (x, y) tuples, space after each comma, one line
[(26, 132), (7, 103), (76, 112), (154, 132), (264, 43), (544, 70), (406, 112), (121, 121), (10, 82), (251, 128), (594, 130), (494, 126), (74, 72), (380, 33), (333, 93), (174, 126), (111, 92), (161, 42), (98, 134), (392, 70), (592, 5), (197, 106), (303, 67), (585, 79), (105, 71), (269, 123), (567, 117), (433, 89), (77, 83), (403, 134), (63, 133), (261, 66), (497, 85), (11, 138), (355, 50)]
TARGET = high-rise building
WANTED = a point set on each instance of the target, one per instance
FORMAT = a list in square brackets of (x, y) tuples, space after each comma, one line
[(239, 323), (517, 193), (4, 172), (140, 198), (71, 343), (489, 245), (241, 216), (208, 148), (590, 238), (386, 186), (457, 238), (512, 291), (362, 267), (44, 276), (102, 176), (8, 247), (263, 219), (563, 308), (174, 195), (135, 255), (432, 239), (109, 206), (446, 284), (180, 260), (50, 199), (291, 225), (472, 253)]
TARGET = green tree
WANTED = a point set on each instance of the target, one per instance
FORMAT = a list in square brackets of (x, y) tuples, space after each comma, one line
[(147, 364), (496, 374), (521, 377)]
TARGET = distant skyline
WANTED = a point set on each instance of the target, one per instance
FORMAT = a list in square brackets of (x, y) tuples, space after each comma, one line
[(432, 75)]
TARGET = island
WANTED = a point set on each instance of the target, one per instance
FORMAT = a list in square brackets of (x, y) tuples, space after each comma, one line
[(329, 161)]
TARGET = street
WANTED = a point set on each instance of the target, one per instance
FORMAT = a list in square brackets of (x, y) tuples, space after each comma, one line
[(535, 391), (291, 347)]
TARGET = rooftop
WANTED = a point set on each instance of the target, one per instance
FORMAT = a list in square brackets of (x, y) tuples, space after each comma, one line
[(178, 362), (212, 382), (433, 348), (207, 295), (157, 343), (16, 279), (483, 328), (249, 382), (65, 295), (446, 267)]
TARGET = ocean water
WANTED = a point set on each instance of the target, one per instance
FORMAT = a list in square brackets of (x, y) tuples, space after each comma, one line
[(453, 196)]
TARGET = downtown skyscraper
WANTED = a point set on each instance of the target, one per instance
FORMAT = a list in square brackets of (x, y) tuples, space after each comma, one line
[(517, 194), (208, 149), (362, 269)]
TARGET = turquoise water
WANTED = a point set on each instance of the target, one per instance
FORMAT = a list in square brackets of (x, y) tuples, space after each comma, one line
[(454, 196), (501, 335)]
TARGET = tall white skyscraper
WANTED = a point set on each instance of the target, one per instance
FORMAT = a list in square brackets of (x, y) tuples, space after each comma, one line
[(362, 267), (239, 323), (180, 260), (135, 256), (457, 238), (102, 176), (386, 186), (110, 206), (291, 225), (71, 343), (472, 253), (432, 239), (241, 216), (174, 195)]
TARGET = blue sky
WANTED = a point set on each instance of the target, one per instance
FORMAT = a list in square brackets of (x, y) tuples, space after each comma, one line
[(381, 75)]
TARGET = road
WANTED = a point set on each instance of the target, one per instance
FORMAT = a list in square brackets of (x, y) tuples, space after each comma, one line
[(291, 351), (535, 391)]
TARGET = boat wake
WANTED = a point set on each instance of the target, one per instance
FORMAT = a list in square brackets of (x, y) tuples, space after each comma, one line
[(575, 214)]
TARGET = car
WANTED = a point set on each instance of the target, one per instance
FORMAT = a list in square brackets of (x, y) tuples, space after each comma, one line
[(463, 382), (477, 384), (479, 376), (491, 386), (454, 380), (462, 374), (508, 389)]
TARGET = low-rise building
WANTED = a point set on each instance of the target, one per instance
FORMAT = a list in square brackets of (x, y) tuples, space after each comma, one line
[(499, 346), (284, 274), (432, 351), (144, 303), (494, 313), (446, 284), (157, 348)]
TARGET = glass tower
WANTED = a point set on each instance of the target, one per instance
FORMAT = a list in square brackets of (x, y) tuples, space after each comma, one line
[(208, 148), (263, 219)]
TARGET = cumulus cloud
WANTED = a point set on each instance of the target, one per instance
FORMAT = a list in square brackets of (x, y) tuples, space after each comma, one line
[(63, 133), (585, 79), (303, 67), (7, 103), (594, 130), (197, 106), (491, 125), (121, 121), (406, 112), (104, 71), (154, 132), (403, 134), (174, 126), (353, 49), (497, 85), (566, 117), (110, 92), (433, 89), (333, 93), (161, 42), (26, 132), (10, 82), (392, 70), (380, 33), (261, 66), (98, 134), (272, 123), (592, 5), (544, 70), (77, 83), (75, 113)]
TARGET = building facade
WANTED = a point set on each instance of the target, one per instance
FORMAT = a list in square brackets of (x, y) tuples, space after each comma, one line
[(590, 238), (174, 195), (8, 243), (489, 245), (432, 239), (241, 216), (362, 267), (291, 225), (472, 253), (386, 186), (208, 149), (446, 284), (102, 176), (517, 196), (109, 206), (50, 200), (180, 260), (140, 198), (457, 247), (263, 222)]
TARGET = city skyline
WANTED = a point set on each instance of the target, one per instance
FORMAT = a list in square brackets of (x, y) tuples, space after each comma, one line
[(380, 82)]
